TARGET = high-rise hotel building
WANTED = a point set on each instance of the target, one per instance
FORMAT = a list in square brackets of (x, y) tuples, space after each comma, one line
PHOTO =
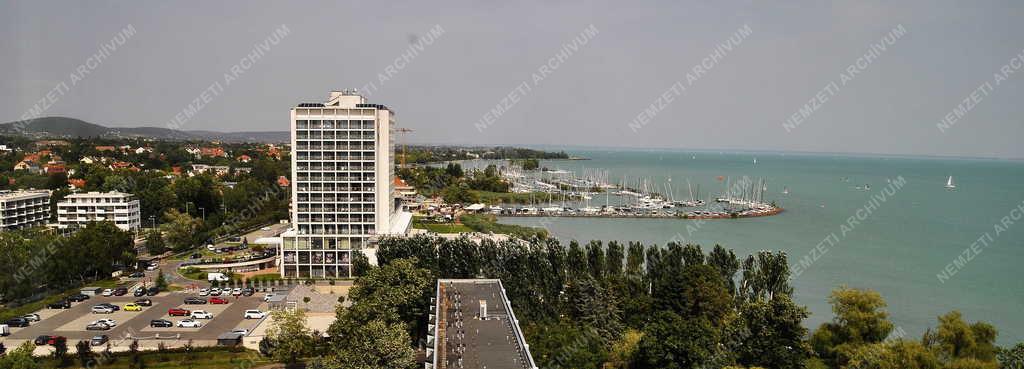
[(342, 195)]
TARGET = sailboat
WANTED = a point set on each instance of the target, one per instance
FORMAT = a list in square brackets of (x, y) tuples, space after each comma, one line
[(785, 190), (949, 183)]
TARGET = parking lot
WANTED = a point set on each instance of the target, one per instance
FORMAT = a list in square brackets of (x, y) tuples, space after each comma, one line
[(72, 322)]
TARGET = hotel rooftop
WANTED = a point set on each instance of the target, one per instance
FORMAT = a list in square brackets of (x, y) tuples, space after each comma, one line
[(474, 327)]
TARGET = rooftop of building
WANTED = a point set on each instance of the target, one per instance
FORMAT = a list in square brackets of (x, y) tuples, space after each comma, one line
[(477, 325), (350, 98), (96, 194), (21, 194)]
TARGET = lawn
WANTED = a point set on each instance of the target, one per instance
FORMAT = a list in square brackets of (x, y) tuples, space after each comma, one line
[(421, 223), (486, 223), (201, 358)]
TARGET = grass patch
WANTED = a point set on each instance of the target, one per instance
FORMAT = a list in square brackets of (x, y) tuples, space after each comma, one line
[(423, 223), (193, 273), (488, 223), (265, 277), (199, 358)]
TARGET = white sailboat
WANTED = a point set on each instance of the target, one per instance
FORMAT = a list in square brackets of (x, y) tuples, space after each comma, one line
[(949, 183)]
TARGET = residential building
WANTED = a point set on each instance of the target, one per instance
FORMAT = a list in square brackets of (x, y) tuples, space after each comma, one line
[(341, 180), (23, 209), (120, 208), (473, 326)]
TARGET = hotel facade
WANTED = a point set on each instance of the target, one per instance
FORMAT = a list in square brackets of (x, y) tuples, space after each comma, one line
[(342, 192), (23, 209), (78, 209)]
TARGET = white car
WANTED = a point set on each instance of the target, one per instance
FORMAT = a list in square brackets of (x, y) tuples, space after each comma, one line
[(152, 267), (102, 310), (265, 229), (243, 331), (215, 291), (237, 291), (189, 323), (268, 296), (108, 292), (32, 317), (254, 314), (108, 322), (201, 314), (204, 292)]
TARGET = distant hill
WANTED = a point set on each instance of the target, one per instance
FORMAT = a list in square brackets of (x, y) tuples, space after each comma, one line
[(64, 127)]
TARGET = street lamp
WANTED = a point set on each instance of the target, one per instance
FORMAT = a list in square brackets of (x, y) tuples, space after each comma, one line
[(204, 213), (152, 221)]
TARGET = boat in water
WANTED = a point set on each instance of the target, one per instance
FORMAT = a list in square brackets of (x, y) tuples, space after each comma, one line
[(785, 190), (949, 183)]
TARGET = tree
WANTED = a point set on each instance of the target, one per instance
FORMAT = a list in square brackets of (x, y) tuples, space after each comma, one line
[(155, 242), (60, 352), (593, 306), (696, 292), (360, 264), (84, 352), (398, 292), (289, 334), (773, 334), (859, 319), (180, 229), (897, 354), (161, 281), (1012, 358), (673, 342), (20, 358), (956, 339), (376, 344)]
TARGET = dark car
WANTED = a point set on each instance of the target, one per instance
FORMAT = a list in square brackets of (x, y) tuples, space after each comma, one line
[(139, 292), (194, 301), (62, 304), (49, 340), (196, 256), (160, 323), (78, 297), (99, 340), (152, 291), (120, 291), (137, 275), (144, 302), (248, 291), (17, 322)]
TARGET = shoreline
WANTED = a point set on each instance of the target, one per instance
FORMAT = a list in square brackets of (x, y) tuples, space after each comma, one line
[(765, 213)]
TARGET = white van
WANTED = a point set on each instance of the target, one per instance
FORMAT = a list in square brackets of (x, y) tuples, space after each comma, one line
[(5, 330)]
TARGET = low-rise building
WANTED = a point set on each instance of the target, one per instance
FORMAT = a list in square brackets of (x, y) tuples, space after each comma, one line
[(122, 209), (23, 209)]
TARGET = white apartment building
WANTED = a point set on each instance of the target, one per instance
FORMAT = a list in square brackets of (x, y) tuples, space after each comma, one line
[(23, 209), (342, 193), (120, 208)]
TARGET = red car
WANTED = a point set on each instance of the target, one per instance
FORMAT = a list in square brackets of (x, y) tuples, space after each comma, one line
[(178, 312), (218, 300)]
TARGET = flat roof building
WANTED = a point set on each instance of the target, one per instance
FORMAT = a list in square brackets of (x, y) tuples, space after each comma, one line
[(474, 327), (342, 191), (120, 208), (23, 209)]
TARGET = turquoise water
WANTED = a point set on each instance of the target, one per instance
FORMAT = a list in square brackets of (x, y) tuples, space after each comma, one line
[(898, 250)]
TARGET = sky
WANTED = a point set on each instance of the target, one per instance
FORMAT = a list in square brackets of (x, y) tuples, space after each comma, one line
[(625, 60)]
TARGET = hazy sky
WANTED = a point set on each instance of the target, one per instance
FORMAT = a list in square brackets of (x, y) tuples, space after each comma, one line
[(488, 48)]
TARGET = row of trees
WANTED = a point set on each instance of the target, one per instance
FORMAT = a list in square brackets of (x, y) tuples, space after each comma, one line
[(35, 260)]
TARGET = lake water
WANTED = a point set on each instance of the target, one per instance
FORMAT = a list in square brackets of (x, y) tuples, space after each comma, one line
[(899, 249)]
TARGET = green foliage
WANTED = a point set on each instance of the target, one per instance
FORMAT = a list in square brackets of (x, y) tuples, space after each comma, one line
[(180, 230), (488, 223), (956, 339), (371, 345), (672, 341), (20, 358), (289, 334), (155, 243), (859, 319), (773, 334)]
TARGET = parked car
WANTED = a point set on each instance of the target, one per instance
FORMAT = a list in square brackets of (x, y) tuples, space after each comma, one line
[(132, 307), (32, 317), (195, 301), (120, 291), (144, 302), (215, 291), (17, 322), (201, 314), (5, 330), (78, 297), (99, 340), (241, 331), (152, 266), (204, 292), (108, 292), (139, 292), (109, 305), (196, 256), (254, 314), (49, 340), (110, 322), (189, 323), (248, 291), (160, 323), (178, 312), (218, 300), (97, 327), (236, 292), (137, 275), (101, 309), (62, 304), (152, 291)]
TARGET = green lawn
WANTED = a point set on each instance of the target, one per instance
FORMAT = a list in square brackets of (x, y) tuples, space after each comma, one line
[(421, 223), (489, 223), (203, 358)]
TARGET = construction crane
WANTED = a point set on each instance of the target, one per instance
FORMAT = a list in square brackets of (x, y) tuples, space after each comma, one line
[(402, 131)]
